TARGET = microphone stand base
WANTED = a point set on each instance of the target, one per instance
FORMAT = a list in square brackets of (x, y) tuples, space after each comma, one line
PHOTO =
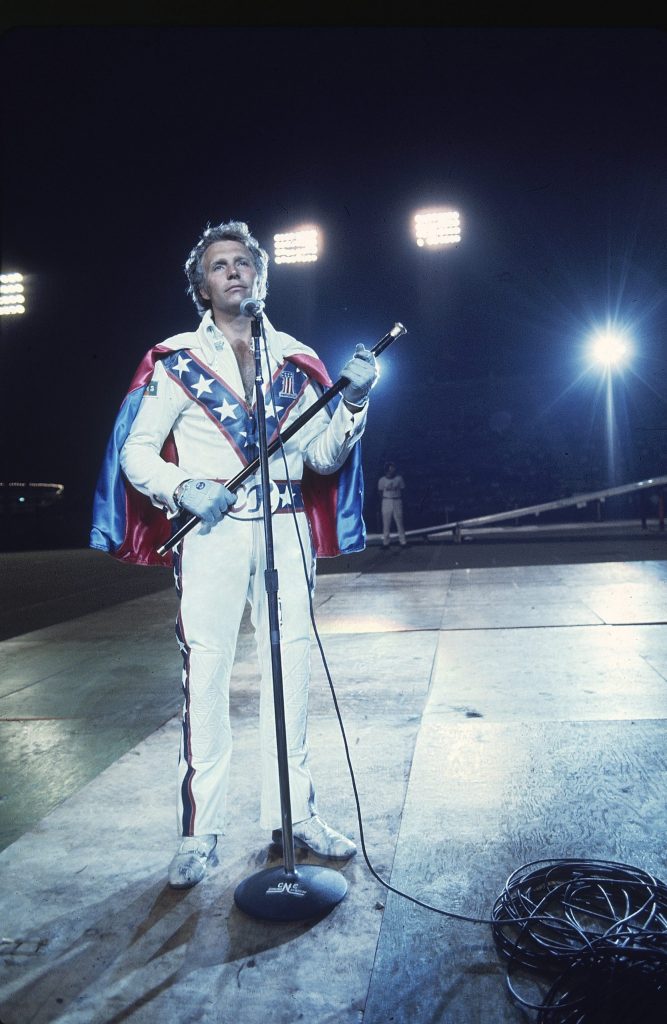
[(276, 894)]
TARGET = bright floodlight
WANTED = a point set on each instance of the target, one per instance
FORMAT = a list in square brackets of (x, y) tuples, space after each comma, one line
[(609, 348), (437, 227), (12, 295), (299, 246)]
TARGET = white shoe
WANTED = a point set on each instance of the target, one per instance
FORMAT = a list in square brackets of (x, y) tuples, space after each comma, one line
[(315, 835), (189, 865)]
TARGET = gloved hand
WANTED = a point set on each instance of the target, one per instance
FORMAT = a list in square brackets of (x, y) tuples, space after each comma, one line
[(362, 372), (206, 499)]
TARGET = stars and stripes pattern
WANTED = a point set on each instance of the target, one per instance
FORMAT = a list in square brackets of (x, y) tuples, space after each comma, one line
[(129, 527), (227, 410)]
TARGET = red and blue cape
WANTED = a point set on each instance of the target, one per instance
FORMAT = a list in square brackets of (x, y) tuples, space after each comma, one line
[(129, 527)]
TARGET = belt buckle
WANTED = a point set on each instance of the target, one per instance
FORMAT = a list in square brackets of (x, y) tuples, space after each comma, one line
[(249, 504)]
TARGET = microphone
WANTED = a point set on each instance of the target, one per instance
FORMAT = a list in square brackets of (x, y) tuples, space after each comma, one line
[(252, 307)]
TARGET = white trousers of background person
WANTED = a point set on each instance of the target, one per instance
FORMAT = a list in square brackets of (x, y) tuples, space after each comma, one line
[(218, 572), (392, 508)]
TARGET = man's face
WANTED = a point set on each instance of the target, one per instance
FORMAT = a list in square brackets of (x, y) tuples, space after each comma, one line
[(229, 276)]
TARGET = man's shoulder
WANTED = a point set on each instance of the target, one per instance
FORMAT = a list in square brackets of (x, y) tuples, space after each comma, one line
[(187, 339), (305, 358), (154, 356), (291, 347)]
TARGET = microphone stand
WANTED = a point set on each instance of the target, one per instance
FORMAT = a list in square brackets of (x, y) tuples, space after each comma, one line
[(284, 893)]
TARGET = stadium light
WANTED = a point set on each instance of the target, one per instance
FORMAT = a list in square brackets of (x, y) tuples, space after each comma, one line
[(609, 348), (12, 294), (437, 227), (299, 246)]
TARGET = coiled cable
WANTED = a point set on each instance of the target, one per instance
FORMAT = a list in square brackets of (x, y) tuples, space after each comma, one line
[(597, 933)]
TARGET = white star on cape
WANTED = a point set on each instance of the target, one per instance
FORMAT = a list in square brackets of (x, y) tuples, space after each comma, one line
[(202, 385)]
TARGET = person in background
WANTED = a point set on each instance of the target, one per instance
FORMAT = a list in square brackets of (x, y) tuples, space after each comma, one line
[(187, 428), (391, 487)]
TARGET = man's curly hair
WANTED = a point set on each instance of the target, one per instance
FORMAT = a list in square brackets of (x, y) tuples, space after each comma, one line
[(233, 231)]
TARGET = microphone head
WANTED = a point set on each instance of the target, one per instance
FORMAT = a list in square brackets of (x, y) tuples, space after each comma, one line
[(252, 307)]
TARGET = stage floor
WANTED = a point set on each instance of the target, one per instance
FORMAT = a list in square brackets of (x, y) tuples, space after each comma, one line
[(494, 716)]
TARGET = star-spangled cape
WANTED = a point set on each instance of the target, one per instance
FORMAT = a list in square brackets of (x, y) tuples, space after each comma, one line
[(129, 527)]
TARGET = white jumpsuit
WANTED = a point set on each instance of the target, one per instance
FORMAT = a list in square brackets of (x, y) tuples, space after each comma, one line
[(391, 489), (219, 568)]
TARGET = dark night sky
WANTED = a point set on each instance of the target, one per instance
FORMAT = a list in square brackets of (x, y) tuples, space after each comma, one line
[(121, 143)]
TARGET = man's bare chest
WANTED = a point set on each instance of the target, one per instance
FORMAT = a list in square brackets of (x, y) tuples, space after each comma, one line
[(245, 359)]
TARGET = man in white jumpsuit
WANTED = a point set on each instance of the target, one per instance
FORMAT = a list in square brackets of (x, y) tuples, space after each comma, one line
[(391, 487), (202, 397)]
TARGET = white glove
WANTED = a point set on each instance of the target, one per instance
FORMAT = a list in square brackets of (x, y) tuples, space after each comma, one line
[(206, 499), (362, 372)]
